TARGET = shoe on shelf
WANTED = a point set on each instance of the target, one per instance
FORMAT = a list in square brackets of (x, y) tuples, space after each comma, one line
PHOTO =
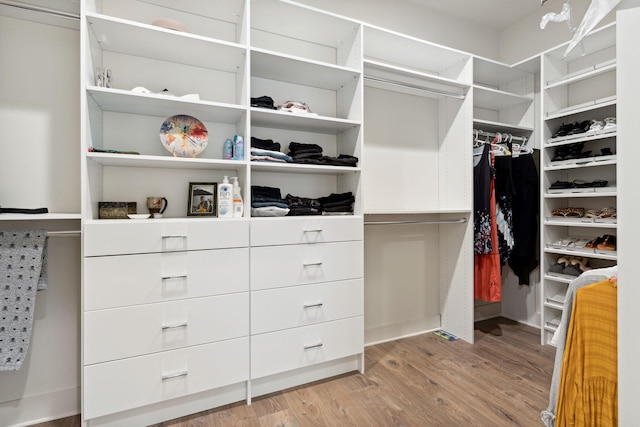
[(596, 125), (610, 124), (579, 127), (605, 152), (562, 130), (608, 243)]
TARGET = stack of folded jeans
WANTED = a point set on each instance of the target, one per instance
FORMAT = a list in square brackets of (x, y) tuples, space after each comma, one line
[(258, 155), (337, 204), (312, 154), (265, 144), (303, 206), (267, 201)]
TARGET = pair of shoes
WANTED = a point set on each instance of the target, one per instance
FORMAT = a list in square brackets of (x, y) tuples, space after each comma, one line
[(571, 243), (605, 243), (581, 183), (562, 130), (568, 212), (610, 124), (596, 125), (605, 152), (608, 212), (572, 266), (569, 152), (579, 127)]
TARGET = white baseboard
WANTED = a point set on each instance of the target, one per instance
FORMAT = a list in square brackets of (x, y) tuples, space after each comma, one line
[(41, 408), (396, 331)]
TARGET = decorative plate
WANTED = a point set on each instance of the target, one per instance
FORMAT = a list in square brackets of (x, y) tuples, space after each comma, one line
[(184, 136)]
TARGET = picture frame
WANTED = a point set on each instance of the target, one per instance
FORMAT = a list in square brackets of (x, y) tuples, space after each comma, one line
[(202, 199)]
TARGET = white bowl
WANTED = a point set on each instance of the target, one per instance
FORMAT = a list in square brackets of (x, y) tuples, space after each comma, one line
[(138, 216)]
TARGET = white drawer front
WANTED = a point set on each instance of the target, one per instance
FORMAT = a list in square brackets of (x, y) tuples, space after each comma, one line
[(279, 266), (137, 330), (116, 237), (282, 351), (115, 281), (282, 308), (135, 382), (309, 229)]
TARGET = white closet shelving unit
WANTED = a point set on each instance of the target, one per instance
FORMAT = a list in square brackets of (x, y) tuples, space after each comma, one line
[(200, 295), (417, 187), (504, 102), (577, 87)]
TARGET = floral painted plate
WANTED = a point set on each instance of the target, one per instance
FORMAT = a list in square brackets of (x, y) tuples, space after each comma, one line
[(184, 136)]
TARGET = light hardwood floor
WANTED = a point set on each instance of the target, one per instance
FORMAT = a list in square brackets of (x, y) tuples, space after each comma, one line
[(501, 380)]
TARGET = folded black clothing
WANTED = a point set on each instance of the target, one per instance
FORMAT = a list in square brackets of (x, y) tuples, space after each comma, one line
[(299, 147), (265, 144), (338, 204), (309, 161), (263, 102), (339, 209), (302, 210), (24, 210), (262, 193), (307, 155), (341, 160), (295, 202), (337, 197)]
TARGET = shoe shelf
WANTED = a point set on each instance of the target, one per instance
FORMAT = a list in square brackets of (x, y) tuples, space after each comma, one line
[(610, 255), (585, 162), (556, 300), (585, 137), (552, 323), (580, 222), (591, 71), (560, 278), (582, 108)]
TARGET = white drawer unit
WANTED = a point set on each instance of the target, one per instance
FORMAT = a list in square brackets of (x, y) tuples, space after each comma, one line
[(282, 351), (313, 229), (133, 331), (115, 281), (118, 237), (135, 382), (288, 265), (282, 308)]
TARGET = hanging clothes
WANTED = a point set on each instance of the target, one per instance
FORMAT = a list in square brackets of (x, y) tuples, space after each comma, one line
[(487, 278), (589, 381), (505, 190)]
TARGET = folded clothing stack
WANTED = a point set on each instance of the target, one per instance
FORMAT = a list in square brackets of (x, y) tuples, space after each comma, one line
[(265, 144), (263, 102), (336, 204), (267, 201), (303, 206), (312, 154), (265, 150)]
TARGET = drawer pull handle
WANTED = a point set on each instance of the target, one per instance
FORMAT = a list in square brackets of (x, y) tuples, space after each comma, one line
[(317, 304), (176, 375), (308, 347), (182, 276), (312, 264), (313, 230), (175, 326), (175, 236)]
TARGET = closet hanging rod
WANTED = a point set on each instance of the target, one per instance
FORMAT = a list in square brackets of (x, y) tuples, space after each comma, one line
[(65, 233), (480, 132), (423, 221), (416, 87), (40, 9)]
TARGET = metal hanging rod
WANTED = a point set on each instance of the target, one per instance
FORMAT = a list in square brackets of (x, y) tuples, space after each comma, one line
[(416, 87), (40, 9), (422, 221), (480, 132)]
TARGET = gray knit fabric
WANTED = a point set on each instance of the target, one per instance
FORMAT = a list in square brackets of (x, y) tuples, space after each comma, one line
[(22, 257), (549, 415)]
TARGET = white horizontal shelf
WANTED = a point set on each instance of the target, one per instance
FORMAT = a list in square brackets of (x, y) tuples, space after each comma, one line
[(132, 38), (585, 137), (124, 101), (39, 217), (491, 73), (559, 278), (382, 45), (417, 212), (302, 168), (226, 11), (384, 75), (587, 106), (580, 222), (274, 66), (491, 126), (276, 17), (143, 161), (494, 99), (552, 324), (556, 301), (584, 192), (582, 253), (584, 74), (582, 163), (282, 120)]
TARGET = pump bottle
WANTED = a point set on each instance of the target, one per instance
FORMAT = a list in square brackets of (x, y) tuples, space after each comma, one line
[(225, 199), (238, 205)]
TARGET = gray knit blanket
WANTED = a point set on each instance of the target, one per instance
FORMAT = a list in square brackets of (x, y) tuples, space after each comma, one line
[(23, 262)]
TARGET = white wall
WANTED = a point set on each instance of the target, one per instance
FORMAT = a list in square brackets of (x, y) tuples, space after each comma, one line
[(418, 21)]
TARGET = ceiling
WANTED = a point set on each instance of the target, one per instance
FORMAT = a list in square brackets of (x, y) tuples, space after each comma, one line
[(500, 13)]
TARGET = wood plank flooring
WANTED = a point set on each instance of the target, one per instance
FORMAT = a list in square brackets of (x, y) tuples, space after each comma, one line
[(501, 380)]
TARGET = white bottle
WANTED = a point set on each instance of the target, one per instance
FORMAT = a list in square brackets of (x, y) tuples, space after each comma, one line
[(225, 199), (238, 205)]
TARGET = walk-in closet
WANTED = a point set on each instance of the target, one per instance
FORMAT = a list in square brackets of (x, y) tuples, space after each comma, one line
[(361, 205)]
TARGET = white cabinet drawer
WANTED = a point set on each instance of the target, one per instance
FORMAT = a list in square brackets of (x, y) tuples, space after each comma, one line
[(279, 266), (116, 237), (283, 308), (142, 329), (115, 281), (310, 229), (130, 383), (282, 351)]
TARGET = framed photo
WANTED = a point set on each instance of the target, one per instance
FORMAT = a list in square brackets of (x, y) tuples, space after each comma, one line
[(202, 199)]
